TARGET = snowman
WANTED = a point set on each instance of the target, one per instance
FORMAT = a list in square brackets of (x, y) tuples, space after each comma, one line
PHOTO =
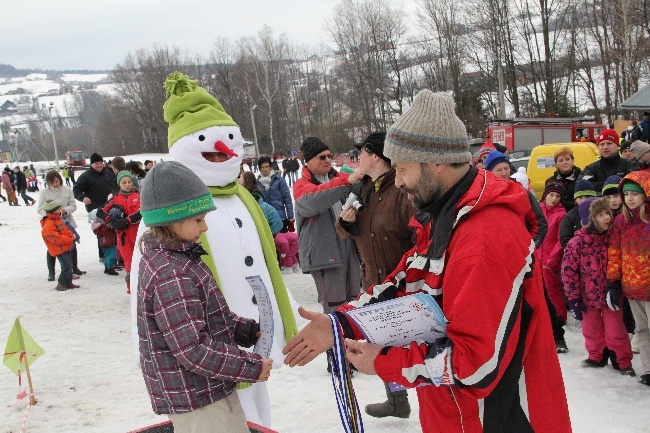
[(239, 243)]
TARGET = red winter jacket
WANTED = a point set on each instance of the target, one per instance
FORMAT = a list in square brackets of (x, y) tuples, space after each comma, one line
[(629, 245), (479, 266), (130, 205)]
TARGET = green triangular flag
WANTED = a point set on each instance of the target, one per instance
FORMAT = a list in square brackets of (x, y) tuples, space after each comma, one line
[(20, 344)]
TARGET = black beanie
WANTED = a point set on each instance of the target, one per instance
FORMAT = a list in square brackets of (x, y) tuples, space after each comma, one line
[(96, 157), (311, 147)]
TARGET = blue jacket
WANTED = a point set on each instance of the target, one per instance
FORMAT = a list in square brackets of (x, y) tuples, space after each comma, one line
[(645, 128), (278, 196), (272, 217)]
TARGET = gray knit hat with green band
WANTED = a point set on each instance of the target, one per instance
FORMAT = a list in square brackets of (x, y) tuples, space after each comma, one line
[(171, 192), (429, 131)]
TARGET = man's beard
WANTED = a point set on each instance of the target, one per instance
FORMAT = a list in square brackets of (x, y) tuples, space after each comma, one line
[(426, 191)]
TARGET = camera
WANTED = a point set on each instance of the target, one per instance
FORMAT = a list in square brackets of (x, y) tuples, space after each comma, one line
[(354, 202)]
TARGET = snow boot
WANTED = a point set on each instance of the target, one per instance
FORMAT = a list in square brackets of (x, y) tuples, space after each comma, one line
[(111, 271), (560, 346), (61, 287), (594, 364), (645, 379), (72, 286), (50, 276), (629, 371), (397, 405)]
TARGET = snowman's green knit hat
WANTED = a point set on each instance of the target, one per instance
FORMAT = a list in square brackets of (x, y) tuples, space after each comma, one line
[(190, 108)]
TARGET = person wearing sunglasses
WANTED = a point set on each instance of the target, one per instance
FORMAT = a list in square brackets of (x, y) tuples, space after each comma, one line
[(319, 195), (496, 368), (382, 235)]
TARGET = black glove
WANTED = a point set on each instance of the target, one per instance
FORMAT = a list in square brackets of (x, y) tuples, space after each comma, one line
[(118, 223), (577, 308), (252, 335), (135, 218), (614, 289)]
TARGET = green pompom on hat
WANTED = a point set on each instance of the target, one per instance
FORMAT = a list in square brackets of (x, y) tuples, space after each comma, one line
[(123, 173), (190, 108)]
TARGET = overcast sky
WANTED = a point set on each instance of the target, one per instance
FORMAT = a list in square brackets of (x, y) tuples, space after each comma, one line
[(97, 34)]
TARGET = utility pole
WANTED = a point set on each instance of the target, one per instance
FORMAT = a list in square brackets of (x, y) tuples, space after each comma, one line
[(56, 151), (502, 104)]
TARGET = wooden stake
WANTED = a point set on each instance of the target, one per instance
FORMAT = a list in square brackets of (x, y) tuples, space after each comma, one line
[(32, 399)]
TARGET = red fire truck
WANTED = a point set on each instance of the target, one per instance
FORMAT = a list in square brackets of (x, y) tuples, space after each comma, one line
[(525, 134), (76, 158)]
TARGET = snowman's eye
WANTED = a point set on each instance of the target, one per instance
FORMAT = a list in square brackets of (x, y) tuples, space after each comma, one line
[(230, 136), (201, 137)]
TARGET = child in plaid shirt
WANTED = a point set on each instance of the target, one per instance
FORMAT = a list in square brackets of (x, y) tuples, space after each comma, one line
[(188, 336)]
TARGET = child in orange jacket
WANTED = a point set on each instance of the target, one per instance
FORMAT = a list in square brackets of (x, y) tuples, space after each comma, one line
[(59, 240)]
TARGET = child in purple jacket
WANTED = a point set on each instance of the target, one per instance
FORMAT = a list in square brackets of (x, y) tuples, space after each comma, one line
[(584, 269), (188, 336)]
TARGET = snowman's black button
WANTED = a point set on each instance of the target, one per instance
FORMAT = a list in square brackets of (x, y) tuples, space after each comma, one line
[(238, 221), (249, 261), (254, 300)]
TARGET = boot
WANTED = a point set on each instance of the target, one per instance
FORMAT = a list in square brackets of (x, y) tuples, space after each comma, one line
[(61, 287), (72, 286), (50, 276), (397, 405)]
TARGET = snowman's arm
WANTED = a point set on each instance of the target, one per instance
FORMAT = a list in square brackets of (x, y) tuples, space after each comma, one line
[(179, 314)]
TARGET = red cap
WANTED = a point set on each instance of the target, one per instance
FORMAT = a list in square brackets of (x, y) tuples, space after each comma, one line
[(607, 134)]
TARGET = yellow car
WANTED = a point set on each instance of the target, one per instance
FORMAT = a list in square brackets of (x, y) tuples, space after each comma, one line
[(541, 164)]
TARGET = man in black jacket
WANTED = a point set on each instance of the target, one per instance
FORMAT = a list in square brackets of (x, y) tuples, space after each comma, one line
[(610, 162), (94, 186)]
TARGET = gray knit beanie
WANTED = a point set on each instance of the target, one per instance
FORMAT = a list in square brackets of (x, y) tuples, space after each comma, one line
[(639, 148), (172, 192), (429, 131)]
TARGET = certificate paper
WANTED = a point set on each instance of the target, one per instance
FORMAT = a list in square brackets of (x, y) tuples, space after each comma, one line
[(265, 342), (400, 321)]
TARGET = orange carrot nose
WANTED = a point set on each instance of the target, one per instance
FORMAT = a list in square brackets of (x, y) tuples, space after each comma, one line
[(220, 146)]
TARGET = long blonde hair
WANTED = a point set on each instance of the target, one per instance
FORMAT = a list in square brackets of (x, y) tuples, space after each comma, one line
[(643, 215)]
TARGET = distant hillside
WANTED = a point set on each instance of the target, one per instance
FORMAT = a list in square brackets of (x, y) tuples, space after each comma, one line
[(8, 71)]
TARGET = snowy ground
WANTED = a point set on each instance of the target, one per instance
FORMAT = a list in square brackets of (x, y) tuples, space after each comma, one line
[(88, 381)]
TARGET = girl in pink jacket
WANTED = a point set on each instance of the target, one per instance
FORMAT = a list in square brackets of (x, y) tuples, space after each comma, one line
[(584, 274)]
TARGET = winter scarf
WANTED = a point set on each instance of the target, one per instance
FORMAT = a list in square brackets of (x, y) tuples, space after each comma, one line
[(268, 248), (265, 181)]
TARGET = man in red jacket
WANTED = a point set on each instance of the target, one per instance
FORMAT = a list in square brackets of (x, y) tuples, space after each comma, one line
[(476, 258)]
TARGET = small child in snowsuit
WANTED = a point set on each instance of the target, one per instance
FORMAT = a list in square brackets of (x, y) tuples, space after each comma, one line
[(188, 336), (550, 254), (107, 242), (122, 214), (584, 269), (59, 241), (628, 261)]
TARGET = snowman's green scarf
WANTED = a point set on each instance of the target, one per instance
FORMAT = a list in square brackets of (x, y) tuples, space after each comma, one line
[(270, 257)]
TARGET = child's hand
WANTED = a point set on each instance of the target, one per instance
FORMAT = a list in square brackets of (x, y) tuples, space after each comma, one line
[(267, 364)]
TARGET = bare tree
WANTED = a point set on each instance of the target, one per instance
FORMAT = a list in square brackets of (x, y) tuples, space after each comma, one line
[(265, 58)]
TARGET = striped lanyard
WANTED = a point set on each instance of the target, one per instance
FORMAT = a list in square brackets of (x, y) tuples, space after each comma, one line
[(346, 399)]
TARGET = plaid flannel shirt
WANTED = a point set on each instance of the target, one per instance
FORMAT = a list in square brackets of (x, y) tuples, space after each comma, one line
[(188, 335)]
